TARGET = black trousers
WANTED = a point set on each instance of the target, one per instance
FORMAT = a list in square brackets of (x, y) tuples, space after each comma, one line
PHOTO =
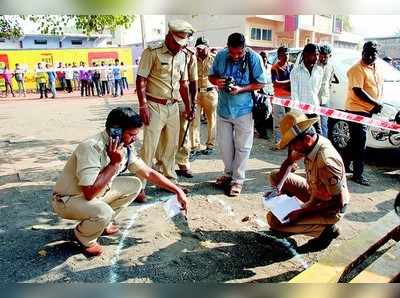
[(84, 87), (357, 145), (43, 90), (69, 85), (104, 87)]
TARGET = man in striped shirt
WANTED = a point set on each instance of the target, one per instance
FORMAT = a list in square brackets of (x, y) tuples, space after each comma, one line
[(306, 78)]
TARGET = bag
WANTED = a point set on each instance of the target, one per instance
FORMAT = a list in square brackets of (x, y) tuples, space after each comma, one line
[(262, 110), (262, 107)]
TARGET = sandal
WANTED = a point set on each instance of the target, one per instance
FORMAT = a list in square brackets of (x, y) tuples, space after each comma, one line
[(223, 182), (235, 190)]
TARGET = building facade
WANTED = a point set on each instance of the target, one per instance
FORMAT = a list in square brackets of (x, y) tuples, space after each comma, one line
[(265, 32), (68, 41), (389, 46)]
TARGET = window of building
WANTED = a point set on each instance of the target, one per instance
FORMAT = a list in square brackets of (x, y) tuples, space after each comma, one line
[(109, 43), (261, 34), (76, 42), (2, 40), (40, 41), (267, 34)]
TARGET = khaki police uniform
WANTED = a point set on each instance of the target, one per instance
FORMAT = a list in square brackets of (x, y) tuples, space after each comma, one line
[(182, 156), (163, 71), (207, 100), (82, 169), (325, 178)]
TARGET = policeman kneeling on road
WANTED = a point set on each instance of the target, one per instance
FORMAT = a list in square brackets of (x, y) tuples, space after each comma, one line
[(89, 190), (324, 191)]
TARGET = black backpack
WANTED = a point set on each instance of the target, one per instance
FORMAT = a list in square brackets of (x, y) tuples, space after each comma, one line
[(262, 107)]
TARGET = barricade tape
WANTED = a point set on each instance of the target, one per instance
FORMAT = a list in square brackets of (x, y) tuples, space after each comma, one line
[(332, 113)]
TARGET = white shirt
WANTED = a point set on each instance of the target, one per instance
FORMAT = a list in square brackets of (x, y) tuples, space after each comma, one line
[(324, 92), (305, 87), (103, 73), (69, 74)]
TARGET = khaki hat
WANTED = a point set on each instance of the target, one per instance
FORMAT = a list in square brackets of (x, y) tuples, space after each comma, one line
[(291, 125), (180, 26)]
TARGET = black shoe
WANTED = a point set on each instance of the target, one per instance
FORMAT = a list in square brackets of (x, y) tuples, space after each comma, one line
[(361, 180), (193, 155), (323, 241), (185, 173), (207, 151)]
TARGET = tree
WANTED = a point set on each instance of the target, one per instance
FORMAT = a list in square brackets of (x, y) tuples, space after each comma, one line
[(346, 23), (10, 27), (87, 24), (57, 24)]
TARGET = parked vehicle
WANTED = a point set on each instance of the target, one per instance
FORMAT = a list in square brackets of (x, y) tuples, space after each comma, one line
[(339, 133)]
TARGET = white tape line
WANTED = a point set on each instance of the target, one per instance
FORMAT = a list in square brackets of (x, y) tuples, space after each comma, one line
[(311, 109), (114, 260)]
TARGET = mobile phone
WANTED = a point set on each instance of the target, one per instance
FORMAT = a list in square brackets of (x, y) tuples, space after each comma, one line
[(116, 132)]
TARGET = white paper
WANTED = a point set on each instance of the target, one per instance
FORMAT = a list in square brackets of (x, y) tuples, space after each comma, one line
[(281, 206), (172, 207)]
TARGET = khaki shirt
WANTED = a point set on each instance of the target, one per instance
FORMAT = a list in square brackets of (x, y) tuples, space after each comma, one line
[(203, 67), (192, 64), (163, 71), (370, 80), (326, 176), (87, 161)]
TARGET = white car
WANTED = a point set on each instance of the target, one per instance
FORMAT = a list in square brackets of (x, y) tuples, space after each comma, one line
[(342, 60), (339, 134)]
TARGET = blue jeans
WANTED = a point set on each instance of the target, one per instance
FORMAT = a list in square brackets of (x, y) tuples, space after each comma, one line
[(52, 87), (277, 114), (324, 124), (118, 83)]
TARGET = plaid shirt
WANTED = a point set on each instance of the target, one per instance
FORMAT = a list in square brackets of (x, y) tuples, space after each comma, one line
[(305, 87)]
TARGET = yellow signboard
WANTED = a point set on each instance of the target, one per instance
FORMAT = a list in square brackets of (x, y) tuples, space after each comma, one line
[(28, 59)]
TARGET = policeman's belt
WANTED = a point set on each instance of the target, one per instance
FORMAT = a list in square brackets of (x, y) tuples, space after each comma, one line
[(162, 101), (208, 89)]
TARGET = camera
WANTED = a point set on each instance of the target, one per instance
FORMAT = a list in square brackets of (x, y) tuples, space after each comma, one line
[(229, 83)]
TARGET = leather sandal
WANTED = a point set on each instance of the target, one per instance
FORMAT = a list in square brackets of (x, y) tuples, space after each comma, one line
[(110, 230), (141, 197), (93, 250), (235, 190), (223, 182)]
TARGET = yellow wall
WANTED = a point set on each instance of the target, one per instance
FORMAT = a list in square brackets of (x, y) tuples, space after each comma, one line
[(30, 58)]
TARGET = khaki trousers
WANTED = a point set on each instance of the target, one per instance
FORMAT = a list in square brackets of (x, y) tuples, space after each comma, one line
[(161, 134), (311, 225), (206, 101), (95, 215), (182, 155)]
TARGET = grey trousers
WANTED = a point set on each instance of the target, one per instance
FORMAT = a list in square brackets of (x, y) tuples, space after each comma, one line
[(235, 138)]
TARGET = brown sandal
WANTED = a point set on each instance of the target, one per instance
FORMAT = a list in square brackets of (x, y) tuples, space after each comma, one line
[(223, 182), (235, 190)]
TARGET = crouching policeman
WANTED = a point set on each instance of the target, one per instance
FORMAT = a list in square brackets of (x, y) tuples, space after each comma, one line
[(89, 190), (324, 191)]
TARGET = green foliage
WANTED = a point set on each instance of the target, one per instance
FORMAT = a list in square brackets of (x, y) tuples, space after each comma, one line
[(87, 24), (10, 27)]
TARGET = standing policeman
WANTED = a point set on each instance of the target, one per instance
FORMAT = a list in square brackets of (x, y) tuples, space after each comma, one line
[(182, 156), (161, 83), (207, 98)]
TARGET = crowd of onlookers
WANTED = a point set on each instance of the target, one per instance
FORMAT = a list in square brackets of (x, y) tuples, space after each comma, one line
[(90, 80)]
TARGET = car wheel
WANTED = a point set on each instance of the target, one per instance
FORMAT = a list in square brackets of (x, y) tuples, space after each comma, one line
[(340, 134)]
